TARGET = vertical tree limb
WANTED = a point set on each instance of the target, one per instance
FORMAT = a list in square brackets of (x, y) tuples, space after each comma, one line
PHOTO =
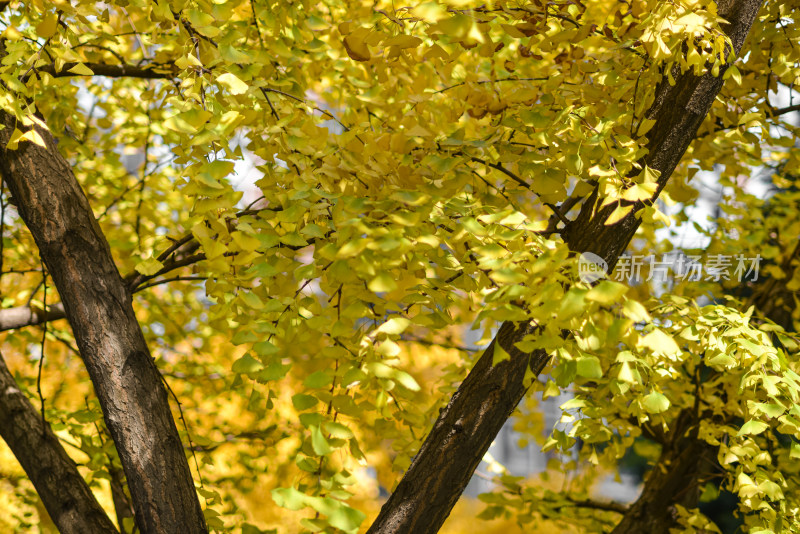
[(675, 479), (466, 427), (98, 306)]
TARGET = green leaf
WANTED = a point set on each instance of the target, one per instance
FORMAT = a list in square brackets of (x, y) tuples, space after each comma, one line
[(232, 55), (337, 430), (319, 443), (318, 379), (721, 361), (273, 371), (655, 402), (551, 390), (303, 402), (607, 292), (382, 283), (247, 365), (265, 348), (81, 70), (289, 498), (753, 428), (188, 122), (648, 175), (771, 410), (48, 26), (572, 304), (626, 374), (405, 380), (640, 192), (87, 416), (635, 311), (149, 267), (346, 518), (589, 367), (394, 326), (618, 214), (499, 354)]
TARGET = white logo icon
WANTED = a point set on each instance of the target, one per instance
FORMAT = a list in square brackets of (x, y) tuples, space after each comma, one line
[(591, 267)]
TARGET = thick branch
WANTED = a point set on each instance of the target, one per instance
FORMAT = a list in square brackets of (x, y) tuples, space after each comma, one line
[(148, 72), (98, 305), (66, 496), (21, 316), (784, 111), (466, 427)]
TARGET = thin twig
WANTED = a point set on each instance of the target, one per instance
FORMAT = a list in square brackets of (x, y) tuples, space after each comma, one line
[(41, 356), (143, 181), (185, 427), (502, 169), (120, 197), (557, 213), (168, 280), (481, 82)]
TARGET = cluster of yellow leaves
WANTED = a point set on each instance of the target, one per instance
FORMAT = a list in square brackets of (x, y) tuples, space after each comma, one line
[(404, 157)]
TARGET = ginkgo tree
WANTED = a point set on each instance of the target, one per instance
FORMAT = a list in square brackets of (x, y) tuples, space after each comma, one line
[(269, 361)]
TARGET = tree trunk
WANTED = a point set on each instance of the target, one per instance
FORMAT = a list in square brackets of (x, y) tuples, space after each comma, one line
[(675, 479), (66, 496), (98, 306), (460, 437), (466, 427)]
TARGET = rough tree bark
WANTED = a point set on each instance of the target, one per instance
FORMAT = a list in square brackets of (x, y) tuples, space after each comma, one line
[(98, 306), (467, 425), (66, 496)]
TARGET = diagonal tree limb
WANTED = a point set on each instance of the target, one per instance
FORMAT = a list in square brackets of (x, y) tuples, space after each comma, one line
[(66, 496), (467, 425), (98, 305)]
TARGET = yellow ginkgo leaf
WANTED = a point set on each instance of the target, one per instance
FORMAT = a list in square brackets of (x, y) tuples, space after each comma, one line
[(47, 28), (233, 84), (618, 214), (356, 48), (81, 70)]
